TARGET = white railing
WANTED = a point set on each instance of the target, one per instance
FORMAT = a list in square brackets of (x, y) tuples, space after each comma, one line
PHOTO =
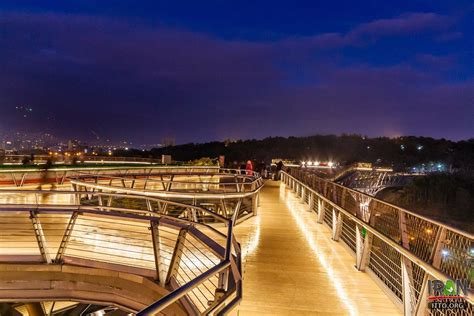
[(399, 248), (172, 241)]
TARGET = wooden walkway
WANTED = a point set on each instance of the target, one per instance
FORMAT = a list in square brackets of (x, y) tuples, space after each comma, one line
[(292, 267)]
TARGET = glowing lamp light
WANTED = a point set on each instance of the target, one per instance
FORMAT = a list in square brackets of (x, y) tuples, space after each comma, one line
[(310, 163), (316, 163), (444, 252), (330, 164), (428, 230)]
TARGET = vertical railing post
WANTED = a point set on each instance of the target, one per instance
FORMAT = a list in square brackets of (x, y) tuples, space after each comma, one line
[(336, 224), (254, 204), (421, 306), (155, 234), (438, 247), (363, 245), (406, 269), (310, 201), (407, 283), (321, 210)]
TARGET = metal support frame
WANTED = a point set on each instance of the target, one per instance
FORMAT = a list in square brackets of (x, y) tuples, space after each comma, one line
[(407, 285), (39, 233), (66, 237), (155, 234), (254, 204), (176, 257), (311, 201), (321, 210), (409, 300), (436, 255), (336, 224), (365, 223), (421, 307), (235, 215), (422, 304), (363, 245), (193, 216)]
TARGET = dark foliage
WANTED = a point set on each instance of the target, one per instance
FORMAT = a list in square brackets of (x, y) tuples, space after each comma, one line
[(399, 152), (448, 197)]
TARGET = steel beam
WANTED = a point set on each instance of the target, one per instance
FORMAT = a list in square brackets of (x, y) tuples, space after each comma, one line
[(40, 237), (363, 245), (66, 237), (336, 224), (155, 234), (438, 246), (310, 201), (409, 300), (321, 210), (176, 257)]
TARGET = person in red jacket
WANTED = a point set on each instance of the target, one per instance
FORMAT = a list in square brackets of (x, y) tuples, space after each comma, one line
[(249, 167)]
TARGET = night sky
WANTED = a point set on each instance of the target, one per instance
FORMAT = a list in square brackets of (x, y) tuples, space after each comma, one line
[(209, 70)]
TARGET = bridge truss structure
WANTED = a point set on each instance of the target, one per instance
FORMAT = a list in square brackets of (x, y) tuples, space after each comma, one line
[(372, 182)]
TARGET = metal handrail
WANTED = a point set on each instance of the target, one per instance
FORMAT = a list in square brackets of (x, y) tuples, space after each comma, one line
[(241, 174), (246, 179), (79, 168), (433, 221), (256, 184), (104, 207), (428, 268), (184, 289)]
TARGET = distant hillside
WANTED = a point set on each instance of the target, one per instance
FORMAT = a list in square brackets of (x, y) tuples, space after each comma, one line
[(399, 152), (446, 197)]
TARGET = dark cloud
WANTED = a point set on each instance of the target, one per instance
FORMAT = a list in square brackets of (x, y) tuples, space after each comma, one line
[(434, 61), (143, 83), (407, 23)]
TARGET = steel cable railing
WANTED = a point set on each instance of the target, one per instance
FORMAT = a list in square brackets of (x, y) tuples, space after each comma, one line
[(389, 240), (192, 261)]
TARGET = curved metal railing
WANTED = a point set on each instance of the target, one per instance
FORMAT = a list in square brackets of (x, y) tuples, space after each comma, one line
[(21, 176), (198, 263), (225, 191), (398, 247)]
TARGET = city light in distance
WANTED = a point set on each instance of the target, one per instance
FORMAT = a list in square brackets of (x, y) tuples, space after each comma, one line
[(318, 164)]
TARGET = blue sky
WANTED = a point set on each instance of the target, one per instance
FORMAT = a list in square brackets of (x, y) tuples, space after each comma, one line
[(198, 71)]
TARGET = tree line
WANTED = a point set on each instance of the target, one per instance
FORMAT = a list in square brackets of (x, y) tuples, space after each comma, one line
[(400, 152)]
